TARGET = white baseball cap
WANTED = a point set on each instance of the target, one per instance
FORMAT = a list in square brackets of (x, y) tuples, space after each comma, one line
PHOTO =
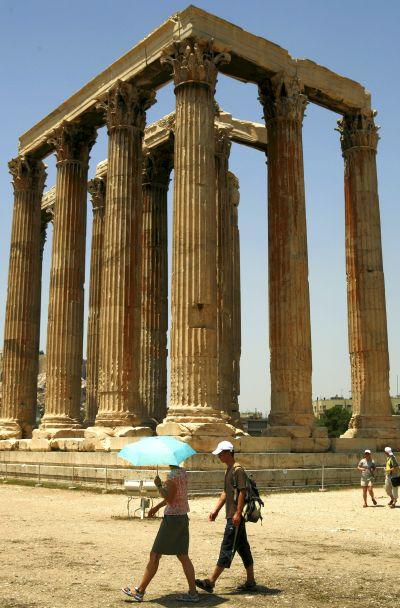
[(389, 451), (367, 451), (223, 446)]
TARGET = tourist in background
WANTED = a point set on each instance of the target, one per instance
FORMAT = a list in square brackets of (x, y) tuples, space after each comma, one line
[(173, 535), (367, 467), (391, 471)]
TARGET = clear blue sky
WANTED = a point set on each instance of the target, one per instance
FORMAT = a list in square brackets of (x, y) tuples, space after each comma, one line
[(50, 49)]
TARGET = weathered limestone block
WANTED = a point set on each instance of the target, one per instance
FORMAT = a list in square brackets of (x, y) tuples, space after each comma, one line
[(6, 445), (357, 445), (320, 431), (305, 444), (67, 445), (287, 431), (99, 433), (262, 444), (114, 444), (138, 431), (40, 445), (24, 445)]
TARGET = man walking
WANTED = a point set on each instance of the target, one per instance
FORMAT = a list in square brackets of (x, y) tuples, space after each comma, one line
[(235, 537)]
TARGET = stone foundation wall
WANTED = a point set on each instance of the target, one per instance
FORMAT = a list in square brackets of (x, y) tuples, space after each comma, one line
[(105, 470)]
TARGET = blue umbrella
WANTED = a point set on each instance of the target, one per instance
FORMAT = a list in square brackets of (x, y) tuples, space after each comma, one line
[(154, 451)]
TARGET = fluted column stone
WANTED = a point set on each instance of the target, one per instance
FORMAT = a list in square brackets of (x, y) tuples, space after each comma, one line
[(22, 323), (224, 272), (234, 198), (157, 166), (97, 190), (194, 406), (120, 315), (72, 143), (289, 306), (368, 342)]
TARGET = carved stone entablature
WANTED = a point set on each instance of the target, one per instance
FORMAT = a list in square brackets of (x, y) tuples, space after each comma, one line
[(195, 60), (125, 105), (158, 164), (358, 130), (222, 141), (97, 191), (233, 185), (73, 142), (28, 174), (167, 123), (282, 98)]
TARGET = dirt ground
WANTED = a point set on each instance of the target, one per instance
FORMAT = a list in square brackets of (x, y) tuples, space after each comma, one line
[(64, 548)]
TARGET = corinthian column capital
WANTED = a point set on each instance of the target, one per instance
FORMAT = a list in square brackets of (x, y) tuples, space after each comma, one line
[(358, 130), (222, 142), (73, 142), (97, 191), (282, 98), (233, 185), (195, 60), (29, 174), (157, 165), (125, 105)]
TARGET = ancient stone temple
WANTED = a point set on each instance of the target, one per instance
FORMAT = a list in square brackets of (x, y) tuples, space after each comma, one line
[(128, 283)]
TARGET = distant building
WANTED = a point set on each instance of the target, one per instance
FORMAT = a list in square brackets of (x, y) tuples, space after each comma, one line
[(322, 405), (253, 422)]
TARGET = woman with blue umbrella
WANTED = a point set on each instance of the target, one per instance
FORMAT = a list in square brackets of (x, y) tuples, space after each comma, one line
[(173, 535)]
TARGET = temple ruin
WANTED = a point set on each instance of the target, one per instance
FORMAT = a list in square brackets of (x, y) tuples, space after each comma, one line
[(128, 303)]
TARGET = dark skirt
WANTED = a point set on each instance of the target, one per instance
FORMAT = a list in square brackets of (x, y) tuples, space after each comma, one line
[(173, 536)]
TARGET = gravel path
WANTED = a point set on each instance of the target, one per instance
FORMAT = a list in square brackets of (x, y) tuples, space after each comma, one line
[(63, 548)]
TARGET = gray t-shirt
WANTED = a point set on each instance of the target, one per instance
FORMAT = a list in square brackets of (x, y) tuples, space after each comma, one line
[(235, 479), (368, 467)]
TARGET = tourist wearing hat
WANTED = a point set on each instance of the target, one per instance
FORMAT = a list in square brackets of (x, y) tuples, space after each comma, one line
[(391, 471), (235, 537), (367, 467)]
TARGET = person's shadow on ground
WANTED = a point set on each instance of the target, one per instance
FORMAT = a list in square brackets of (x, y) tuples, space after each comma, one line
[(210, 599), (206, 599), (259, 590)]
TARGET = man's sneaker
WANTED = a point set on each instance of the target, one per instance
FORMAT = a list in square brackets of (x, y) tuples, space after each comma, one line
[(205, 584), (191, 598), (136, 595)]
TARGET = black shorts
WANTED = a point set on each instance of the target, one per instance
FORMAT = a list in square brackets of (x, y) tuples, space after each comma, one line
[(230, 545)]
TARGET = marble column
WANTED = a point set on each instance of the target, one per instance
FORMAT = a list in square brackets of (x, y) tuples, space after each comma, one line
[(119, 403), (157, 166), (289, 306), (97, 190), (22, 323), (224, 272), (194, 406), (72, 143), (368, 342), (234, 198)]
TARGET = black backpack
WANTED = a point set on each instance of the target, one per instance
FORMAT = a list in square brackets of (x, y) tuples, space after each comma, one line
[(252, 503)]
